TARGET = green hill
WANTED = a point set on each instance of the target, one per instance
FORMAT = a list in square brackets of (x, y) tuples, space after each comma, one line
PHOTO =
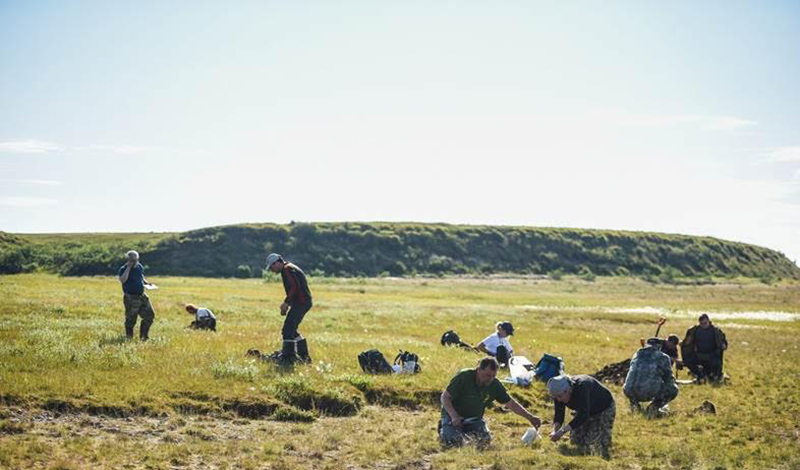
[(397, 249)]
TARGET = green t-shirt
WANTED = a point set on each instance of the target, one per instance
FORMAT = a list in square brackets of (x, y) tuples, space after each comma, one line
[(471, 400)]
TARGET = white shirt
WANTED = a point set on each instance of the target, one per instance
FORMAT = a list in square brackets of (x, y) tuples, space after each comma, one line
[(204, 313), (494, 340)]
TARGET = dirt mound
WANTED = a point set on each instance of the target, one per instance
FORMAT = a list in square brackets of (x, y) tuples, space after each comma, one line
[(614, 373), (706, 408)]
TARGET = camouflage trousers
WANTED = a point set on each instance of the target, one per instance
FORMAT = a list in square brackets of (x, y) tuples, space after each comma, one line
[(665, 394), (596, 431), (138, 305), (472, 430)]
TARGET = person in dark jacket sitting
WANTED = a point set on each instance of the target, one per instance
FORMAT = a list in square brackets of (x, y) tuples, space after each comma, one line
[(702, 349), (595, 411)]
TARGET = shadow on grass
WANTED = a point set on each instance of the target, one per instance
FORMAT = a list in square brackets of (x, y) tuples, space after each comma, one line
[(113, 341), (581, 451), (331, 402)]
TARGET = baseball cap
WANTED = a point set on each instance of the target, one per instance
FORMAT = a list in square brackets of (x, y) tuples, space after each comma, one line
[(508, 327), (272, 258)]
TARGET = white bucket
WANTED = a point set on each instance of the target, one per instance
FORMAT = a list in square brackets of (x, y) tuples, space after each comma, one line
[(409, 367), (530, 435)]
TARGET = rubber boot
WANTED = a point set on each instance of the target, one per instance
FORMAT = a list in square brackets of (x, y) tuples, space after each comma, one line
[(144, 328), (128, 332), (287, 356), (302, 350), (635, 406), (654, 410)]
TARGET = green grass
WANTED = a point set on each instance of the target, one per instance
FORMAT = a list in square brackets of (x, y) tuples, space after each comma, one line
[(74, 394)]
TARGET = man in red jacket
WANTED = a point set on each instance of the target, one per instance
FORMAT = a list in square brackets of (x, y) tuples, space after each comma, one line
[(295, 306)]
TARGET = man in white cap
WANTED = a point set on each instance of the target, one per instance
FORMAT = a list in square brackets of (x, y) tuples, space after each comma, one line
[(136, 302), (295, 306), (595, 411)]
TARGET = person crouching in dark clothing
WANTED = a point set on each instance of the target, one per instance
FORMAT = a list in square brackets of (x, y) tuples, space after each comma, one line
[(204, 318), (702, 349), (669, 346), (595, 412)]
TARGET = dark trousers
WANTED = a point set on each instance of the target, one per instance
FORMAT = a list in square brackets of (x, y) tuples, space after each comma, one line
[(706, 365), (205, 324), (293, 318), (471, 430), (502, 355)]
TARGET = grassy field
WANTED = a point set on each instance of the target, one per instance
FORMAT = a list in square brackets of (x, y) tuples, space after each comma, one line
[(74, 394)]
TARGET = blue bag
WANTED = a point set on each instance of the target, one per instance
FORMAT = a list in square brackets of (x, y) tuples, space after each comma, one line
[(548, 367)]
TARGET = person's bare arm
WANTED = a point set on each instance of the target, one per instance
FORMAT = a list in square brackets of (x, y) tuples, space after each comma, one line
[(447, 404), (520, 410), (558, 433), (124, 277), (481, 347)]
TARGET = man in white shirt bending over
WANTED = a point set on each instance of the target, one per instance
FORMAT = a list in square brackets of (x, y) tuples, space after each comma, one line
[(204, 318), (497, 345)]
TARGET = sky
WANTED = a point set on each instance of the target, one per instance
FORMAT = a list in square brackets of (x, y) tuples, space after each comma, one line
[(676, 117)]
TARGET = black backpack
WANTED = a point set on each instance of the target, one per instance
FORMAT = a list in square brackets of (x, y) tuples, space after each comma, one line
[(373, 362), (451, 338), (406, 356)]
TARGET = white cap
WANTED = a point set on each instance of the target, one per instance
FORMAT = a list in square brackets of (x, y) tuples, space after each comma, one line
[(558, 384), (272, 258)]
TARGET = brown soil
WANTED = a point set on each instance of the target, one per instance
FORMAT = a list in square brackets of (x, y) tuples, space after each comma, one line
[(614, 373)]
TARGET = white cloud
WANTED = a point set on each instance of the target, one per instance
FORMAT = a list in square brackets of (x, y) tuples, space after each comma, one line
[(784, 154), (42, 182), (26, 201), (121, 149), (39, 146), (28, 146), (725, 123), (712, 123)]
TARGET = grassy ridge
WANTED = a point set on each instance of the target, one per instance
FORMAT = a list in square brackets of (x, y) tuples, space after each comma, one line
[(73, 394), (400, 249)]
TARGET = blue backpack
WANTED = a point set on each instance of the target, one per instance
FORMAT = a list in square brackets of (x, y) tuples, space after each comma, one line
[(548, 367)]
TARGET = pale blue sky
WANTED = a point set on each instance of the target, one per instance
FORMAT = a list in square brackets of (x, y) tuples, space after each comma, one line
[(677, 117)]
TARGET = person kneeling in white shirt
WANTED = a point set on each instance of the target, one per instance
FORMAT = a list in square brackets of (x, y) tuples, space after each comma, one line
[(497, 344), (204, 318)]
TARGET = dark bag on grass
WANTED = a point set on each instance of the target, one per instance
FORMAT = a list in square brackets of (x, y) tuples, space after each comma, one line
[(373, 362), (451, 338), (548, 367), (408, 362)]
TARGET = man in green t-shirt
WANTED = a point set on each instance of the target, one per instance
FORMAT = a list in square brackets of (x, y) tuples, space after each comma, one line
[(463, 402)]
